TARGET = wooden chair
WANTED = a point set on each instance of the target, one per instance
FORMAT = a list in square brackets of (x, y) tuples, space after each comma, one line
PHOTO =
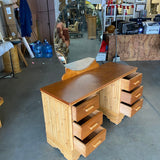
[(1, 102), (74, 27)]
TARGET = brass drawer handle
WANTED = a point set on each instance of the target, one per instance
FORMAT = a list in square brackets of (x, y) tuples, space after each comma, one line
[(97, 144), (136, 82), (138, 95), (95, 125), (138, 108), (88, 109)]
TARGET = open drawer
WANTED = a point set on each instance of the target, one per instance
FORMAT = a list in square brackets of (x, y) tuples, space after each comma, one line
[(131, 97), (90, 143), (130, 110), (131, 81), (87, 125), (84, 108)]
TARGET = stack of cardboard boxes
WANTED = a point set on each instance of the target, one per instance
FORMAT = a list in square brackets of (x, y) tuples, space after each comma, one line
[(11, 22)]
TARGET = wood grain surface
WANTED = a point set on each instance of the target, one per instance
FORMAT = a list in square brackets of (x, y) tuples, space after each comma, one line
[(131, 110), (138, 47), (58, 123), (90, 143), (85, 108), (86, 126), (131, 81), (91, 25), (73, 90), (110, 101), (131, 97)]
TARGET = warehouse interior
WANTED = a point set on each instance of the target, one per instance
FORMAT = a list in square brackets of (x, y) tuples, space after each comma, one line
[(23, 123), (23, 133)]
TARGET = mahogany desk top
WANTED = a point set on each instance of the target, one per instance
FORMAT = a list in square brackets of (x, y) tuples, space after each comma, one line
[(75, 89)]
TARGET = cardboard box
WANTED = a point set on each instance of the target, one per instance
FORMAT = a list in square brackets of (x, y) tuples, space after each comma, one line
[(10, 20), (8, 1)]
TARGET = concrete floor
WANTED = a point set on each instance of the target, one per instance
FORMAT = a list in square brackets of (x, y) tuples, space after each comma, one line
[(22, 136), (87, 47)]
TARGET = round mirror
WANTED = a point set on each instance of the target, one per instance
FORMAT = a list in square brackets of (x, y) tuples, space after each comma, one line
[(77, 32)]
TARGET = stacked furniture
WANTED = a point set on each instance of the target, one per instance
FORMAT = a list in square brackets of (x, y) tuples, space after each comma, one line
[(71, 106), (61, 41)]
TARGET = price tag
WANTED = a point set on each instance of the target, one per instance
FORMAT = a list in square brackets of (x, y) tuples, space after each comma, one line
[(8, 10)]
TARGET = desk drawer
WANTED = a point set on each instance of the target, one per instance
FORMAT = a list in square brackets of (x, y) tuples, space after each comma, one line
[(90, 143), (131, 110), (87, 125), (84, 108), (131, 97), (131, 81)]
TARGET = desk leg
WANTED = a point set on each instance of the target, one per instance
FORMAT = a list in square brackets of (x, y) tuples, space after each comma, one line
[(11, 63)]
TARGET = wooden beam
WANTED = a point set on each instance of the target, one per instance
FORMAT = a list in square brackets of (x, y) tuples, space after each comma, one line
[(22, 56)]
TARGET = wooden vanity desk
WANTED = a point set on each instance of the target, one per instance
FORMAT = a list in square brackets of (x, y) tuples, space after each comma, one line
[(74, 108)]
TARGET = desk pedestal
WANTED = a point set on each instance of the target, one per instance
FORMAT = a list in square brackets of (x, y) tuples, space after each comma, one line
[(110, 102)]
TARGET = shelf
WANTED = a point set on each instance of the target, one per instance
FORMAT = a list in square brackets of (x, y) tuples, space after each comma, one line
[(123, 4), (110, 16), (113, 11), (129, 15)]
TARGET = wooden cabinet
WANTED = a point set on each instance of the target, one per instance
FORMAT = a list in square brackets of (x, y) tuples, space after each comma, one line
[(91, 24), (74, 108)]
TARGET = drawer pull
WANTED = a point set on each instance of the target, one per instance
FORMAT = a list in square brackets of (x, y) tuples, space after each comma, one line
[(95, 125), (97, 144), (138, 95), (138, 108), (136, 82), (88, 109)]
